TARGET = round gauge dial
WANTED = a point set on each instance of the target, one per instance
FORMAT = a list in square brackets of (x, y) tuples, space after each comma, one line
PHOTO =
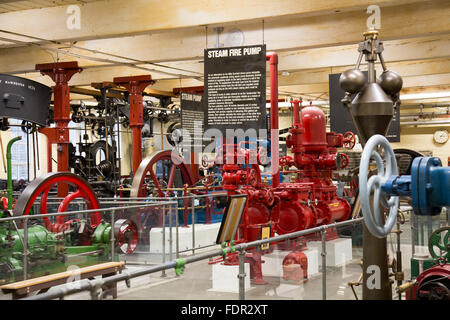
[(235, 38), (441, 136)]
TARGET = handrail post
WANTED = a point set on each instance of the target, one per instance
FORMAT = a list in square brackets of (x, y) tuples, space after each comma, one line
[(25, 249), (324, 264), (112, 235), (193, 223), (241, 275), (163, 272), (177, 236), (170, 233)]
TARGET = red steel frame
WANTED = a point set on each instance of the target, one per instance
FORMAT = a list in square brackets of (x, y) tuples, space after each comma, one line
[(135, 86), (61, 73)]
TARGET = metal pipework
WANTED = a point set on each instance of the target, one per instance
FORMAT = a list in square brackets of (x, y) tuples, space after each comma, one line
[(272, 57), (8, 159)]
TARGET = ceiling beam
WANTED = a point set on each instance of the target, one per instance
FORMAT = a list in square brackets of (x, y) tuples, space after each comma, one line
[(280, 35), (405, 69), (138, 17), (414, 74), (21, 60)]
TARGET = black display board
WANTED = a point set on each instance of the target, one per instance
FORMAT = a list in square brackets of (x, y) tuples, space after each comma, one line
[(24, 99), (192, 117), (340, 118), (235, 88)]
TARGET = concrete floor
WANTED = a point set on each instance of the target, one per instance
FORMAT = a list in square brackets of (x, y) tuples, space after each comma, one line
[(196, 284)]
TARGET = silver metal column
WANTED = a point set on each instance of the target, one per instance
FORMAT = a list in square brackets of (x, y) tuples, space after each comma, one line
[(324, 264), (193, 223), (112, 235), (25, 249), (177, 239), (170, 234), (163, 272), (241, 275)]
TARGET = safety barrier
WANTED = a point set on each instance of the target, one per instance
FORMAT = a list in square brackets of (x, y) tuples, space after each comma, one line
[(179, 264)]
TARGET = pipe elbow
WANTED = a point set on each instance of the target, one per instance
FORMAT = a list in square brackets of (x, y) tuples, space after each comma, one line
[(272, 57)]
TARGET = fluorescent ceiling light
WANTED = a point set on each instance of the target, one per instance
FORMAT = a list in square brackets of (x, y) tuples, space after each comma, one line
[(425, 95)]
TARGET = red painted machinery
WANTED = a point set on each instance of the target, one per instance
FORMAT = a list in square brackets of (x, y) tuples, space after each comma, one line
[(432, 284), (295, 266), (309, 200)]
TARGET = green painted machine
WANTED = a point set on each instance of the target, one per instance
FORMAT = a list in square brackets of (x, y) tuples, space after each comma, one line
[(439, 249), (49, 252), (48, 247)]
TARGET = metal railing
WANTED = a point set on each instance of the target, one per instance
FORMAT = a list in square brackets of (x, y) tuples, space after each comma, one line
[(26, 218), (94, 285), (154, 201)]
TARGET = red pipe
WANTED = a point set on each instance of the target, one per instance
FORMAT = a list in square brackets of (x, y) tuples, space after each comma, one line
[(296, 111), (272, 57), (49, 155)]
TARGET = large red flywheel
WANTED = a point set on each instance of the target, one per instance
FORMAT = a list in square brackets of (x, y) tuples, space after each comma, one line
[(147, 176), (43, 185), (155, 176)]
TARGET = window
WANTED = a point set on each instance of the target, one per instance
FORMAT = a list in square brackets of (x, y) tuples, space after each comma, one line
[(19, 161)]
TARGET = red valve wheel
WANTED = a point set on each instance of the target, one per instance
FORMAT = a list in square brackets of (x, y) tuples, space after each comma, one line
[(126, 235), (343, 161), (349, 140), (41, 186), (284, 161)]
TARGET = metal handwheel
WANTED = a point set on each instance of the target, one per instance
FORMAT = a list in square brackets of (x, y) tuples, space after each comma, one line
[(374, 221), (439, 243)]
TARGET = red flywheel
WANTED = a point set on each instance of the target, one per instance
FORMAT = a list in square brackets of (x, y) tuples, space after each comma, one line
[(77, 188)]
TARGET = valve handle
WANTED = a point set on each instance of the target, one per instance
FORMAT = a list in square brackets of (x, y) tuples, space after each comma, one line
[(349, 140), (439, 243), (374, 221), (343, 159)]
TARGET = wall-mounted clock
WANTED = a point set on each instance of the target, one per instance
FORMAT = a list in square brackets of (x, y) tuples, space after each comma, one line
[(441, 136), (234, 38)]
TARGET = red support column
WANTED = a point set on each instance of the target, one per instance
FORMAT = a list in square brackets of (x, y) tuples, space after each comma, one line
[(135, 85), (61, 73)]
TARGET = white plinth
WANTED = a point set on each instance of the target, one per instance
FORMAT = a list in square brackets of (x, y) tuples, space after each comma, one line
[(273, 262), (339, 251), (205, 234), (225, 278)]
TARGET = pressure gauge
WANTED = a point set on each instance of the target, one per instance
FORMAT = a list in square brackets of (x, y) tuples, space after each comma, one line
[(441, 136)]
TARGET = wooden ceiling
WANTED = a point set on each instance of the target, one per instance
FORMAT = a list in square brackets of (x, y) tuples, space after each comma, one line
[(167, 39)]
